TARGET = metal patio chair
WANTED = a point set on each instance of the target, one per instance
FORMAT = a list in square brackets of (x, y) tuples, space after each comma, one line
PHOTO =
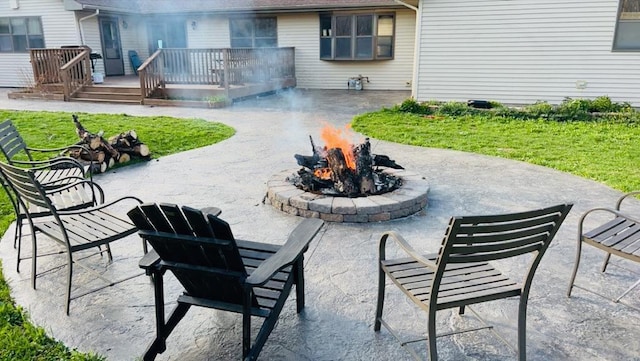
[(619, 236), (53, 172), (219, 271), (75, 230), (459, 275)]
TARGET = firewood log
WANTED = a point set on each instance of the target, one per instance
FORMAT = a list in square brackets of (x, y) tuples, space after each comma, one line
[(342, 175), (89, 155), (124, 157), (364, 169)]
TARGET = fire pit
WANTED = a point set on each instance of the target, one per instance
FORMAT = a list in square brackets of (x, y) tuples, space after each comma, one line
[(341, 182)]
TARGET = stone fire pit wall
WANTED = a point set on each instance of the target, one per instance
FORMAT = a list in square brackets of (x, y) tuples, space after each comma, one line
[(410, 198)]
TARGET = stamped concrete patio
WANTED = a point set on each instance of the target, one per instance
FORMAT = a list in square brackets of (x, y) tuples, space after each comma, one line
[(340, 266)]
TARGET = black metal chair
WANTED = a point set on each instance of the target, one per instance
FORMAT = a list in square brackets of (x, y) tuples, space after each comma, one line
[(76, 230), (619, 236), (219, 271), (60, 170), (460, 275)]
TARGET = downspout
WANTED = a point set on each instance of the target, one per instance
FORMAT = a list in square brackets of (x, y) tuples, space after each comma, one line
[(80, 25), (416, 48)]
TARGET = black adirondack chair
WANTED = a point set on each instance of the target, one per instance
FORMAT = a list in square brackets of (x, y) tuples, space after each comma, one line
[(219, 271), (460, 275), (76, 230)]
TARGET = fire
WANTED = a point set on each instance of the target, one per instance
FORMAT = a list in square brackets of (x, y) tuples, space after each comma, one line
[(336, 138), (323, 173)]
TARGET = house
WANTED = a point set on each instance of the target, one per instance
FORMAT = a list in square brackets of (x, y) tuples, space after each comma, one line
[(511, 51), (522, 51), (334, 40)]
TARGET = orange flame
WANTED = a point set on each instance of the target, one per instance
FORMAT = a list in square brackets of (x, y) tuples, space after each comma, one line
[(336, 138), (323, 173)]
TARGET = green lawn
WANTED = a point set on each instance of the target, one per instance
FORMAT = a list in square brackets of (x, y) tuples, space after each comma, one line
[(19, 339), (606, 151)]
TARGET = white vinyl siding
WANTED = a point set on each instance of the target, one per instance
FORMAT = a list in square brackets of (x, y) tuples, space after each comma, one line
[(58, 26), (521, 51), (302, 31)]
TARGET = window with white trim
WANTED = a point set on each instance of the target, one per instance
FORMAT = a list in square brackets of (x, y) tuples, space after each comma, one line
[(366, 36), (19, 34), (254, 32), (627, 35)]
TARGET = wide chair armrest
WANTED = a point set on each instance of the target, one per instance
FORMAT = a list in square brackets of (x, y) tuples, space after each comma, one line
[(296, 244), (149, 261), (405, 246)]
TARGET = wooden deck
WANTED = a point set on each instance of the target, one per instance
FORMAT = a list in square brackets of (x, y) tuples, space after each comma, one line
[(179, 77)]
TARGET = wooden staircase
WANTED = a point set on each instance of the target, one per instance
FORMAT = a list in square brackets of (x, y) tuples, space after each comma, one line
[(107, 94)]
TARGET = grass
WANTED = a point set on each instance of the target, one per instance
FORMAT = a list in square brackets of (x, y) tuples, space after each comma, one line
[(19, 339), (604, 151)]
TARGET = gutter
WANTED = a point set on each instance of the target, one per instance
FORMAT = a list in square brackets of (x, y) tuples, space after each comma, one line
[(416, 48), (81, 27)]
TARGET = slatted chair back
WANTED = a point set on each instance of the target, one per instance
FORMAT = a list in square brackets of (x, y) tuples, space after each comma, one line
[(200, 251), (472, 239), (28, 190), (11, 143)]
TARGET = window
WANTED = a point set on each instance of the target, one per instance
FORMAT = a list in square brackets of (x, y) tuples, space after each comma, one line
[(20, 34), (253, 33), (356, 36), (628, 28)]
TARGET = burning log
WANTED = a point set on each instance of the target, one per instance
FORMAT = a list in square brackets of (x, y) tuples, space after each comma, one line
[(364, 168), (345, 170), (103, 154), (341, 174)]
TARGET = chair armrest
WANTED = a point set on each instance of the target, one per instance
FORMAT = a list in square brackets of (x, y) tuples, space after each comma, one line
[(59, 149), (99, 207), (211, 210), (149, 261), (602, 209), (296, 244), (405, 247), (619, 202), (54, 187)]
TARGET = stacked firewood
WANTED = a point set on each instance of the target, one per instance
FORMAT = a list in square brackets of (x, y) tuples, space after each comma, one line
[(103, 154)]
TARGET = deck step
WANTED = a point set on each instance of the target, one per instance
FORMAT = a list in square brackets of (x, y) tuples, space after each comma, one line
[(111, 89), (106, 96), (101, 100)]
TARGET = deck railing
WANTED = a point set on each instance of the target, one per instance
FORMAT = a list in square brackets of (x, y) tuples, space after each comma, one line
[(47, 64), (76, 73), (224, 67), (151, 74)]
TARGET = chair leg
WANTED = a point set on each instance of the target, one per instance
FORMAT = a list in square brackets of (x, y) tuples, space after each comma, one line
[(246, 323), (606, 262), (380, 302), (461, 310), (17, 241), (431, 335), (69, 275), (34, 250), (522, 329), (577, 264), (298, 278)]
